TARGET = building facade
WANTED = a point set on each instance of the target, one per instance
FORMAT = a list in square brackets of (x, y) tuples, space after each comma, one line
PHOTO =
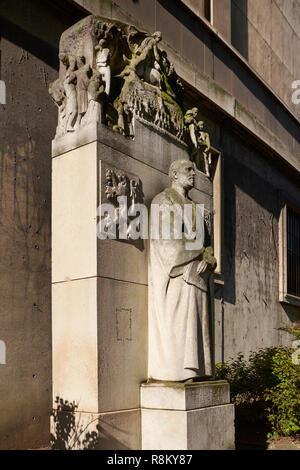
[(239, 65)]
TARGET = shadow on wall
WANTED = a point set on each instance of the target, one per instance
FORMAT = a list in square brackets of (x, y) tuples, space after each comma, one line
[(22, 27), (239, 26), (71, 432)]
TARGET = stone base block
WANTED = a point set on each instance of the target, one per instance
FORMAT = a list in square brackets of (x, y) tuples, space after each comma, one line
[(74, 430), (187, 416)]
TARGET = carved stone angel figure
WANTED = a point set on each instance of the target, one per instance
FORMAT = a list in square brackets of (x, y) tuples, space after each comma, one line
[(179, 306)]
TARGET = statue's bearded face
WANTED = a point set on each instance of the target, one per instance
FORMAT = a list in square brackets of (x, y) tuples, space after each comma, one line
[(185, 175)]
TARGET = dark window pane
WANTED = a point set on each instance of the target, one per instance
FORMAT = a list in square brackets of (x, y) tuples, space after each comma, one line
[(293, 251)]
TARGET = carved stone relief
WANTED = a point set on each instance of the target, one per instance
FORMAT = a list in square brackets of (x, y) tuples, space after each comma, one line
[(119, 184), (112, 73)]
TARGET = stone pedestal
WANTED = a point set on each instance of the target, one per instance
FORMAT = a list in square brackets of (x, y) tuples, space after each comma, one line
[(192, 416)]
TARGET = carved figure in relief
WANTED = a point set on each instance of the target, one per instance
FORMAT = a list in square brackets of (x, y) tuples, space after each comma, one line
[(125, 119), (146, 62), (103, 57), (119, 184), (138, 81), (56, 90), (96, 100), (204, 144), (200, 141), (179, 309), (83, 75), (170, 81), (70, 92)]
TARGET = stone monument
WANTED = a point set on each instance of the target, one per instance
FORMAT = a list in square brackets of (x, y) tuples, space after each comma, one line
[(179, 304), (121, 124)]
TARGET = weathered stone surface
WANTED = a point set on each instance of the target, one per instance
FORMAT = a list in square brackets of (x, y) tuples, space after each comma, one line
[(113, 74), (221, 17), (75, 343), (184, 396), (187, 416), (27, 124), (74, 212), (179, 274), (105, 350)]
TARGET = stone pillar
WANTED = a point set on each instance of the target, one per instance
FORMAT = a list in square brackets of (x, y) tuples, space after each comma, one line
[(190, 416), (99, 305), (99, 288)]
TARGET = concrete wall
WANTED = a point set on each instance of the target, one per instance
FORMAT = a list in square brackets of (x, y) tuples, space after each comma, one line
[(248, 311), (267, 34), (274, 43), (29, 43)]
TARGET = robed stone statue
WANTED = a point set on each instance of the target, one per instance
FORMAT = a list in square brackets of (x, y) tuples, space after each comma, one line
[(179, 304)]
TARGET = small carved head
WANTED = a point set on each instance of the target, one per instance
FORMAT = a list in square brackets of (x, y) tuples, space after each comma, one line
[(80, 61), (72, 62), (64, 59), (157, 36)]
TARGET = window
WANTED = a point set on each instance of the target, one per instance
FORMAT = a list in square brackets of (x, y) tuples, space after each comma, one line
[(217, 178), (293, 251), (289, 243), (207, 9)]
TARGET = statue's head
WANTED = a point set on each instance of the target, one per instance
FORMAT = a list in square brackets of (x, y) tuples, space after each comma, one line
[(157, 35), (97, 78), (182, 173), (72, 62), (191, 113), (103, 43), (80, 61), (64, 59)]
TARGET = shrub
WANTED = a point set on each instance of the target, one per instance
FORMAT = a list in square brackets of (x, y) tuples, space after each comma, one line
[(269, 379), (284, 397), (248, 379)]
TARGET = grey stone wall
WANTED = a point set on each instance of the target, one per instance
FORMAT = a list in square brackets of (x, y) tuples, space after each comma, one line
[(248, 311), (30, 34)]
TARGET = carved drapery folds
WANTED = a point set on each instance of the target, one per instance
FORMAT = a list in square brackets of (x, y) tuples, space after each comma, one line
[(114, 74)]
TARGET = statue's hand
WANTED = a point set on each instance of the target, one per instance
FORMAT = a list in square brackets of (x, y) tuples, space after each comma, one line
[(202, 266), (209, 258)]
